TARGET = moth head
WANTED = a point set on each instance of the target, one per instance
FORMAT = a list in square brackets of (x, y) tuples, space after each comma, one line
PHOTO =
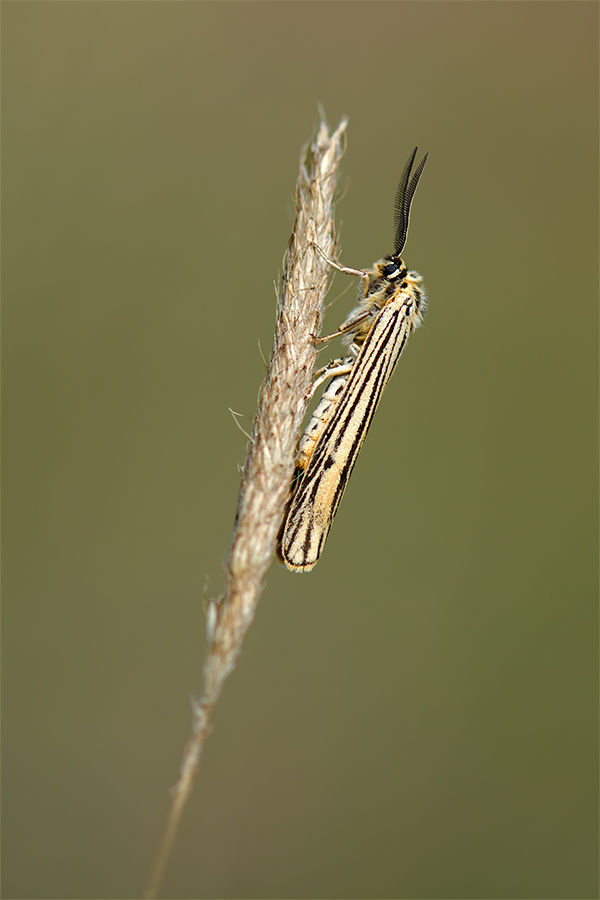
[(404, 196), (391, 268)]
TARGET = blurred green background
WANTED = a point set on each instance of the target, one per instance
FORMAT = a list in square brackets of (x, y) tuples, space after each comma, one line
[(417, 717)]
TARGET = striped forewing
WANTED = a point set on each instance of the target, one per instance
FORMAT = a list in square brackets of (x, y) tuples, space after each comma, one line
[(324, 480)]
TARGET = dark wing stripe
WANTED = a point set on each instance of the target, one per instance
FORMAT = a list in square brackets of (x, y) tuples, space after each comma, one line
[(357, 443), (375, 345), (365, 424), (369, 376), (358, 383)]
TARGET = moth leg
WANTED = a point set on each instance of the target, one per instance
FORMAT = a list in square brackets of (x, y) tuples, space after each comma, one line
[(346, 328), (359, 273), (337, 367), (331, 365)]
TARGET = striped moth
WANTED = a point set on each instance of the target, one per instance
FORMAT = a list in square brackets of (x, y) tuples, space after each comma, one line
[(392, 302)]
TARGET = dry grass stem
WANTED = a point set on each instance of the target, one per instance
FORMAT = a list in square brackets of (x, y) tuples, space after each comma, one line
[(270, 464)]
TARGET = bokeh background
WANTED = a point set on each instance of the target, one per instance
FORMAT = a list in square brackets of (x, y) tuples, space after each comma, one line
[(417, 717)]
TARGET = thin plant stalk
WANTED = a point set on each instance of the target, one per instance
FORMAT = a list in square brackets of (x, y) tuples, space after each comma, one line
[(269, 466)]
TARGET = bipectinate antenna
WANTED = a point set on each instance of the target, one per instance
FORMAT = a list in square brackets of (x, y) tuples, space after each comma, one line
[(404, 196)]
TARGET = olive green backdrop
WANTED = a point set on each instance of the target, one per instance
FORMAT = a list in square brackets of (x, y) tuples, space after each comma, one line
[(417, 717)]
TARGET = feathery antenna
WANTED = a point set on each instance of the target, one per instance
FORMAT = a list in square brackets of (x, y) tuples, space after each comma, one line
[(404, 196)]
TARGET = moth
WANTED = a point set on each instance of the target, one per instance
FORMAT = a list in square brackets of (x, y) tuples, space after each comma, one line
[(391, 304)]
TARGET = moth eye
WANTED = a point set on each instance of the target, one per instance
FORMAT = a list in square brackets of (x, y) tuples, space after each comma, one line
[(391, 271)]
